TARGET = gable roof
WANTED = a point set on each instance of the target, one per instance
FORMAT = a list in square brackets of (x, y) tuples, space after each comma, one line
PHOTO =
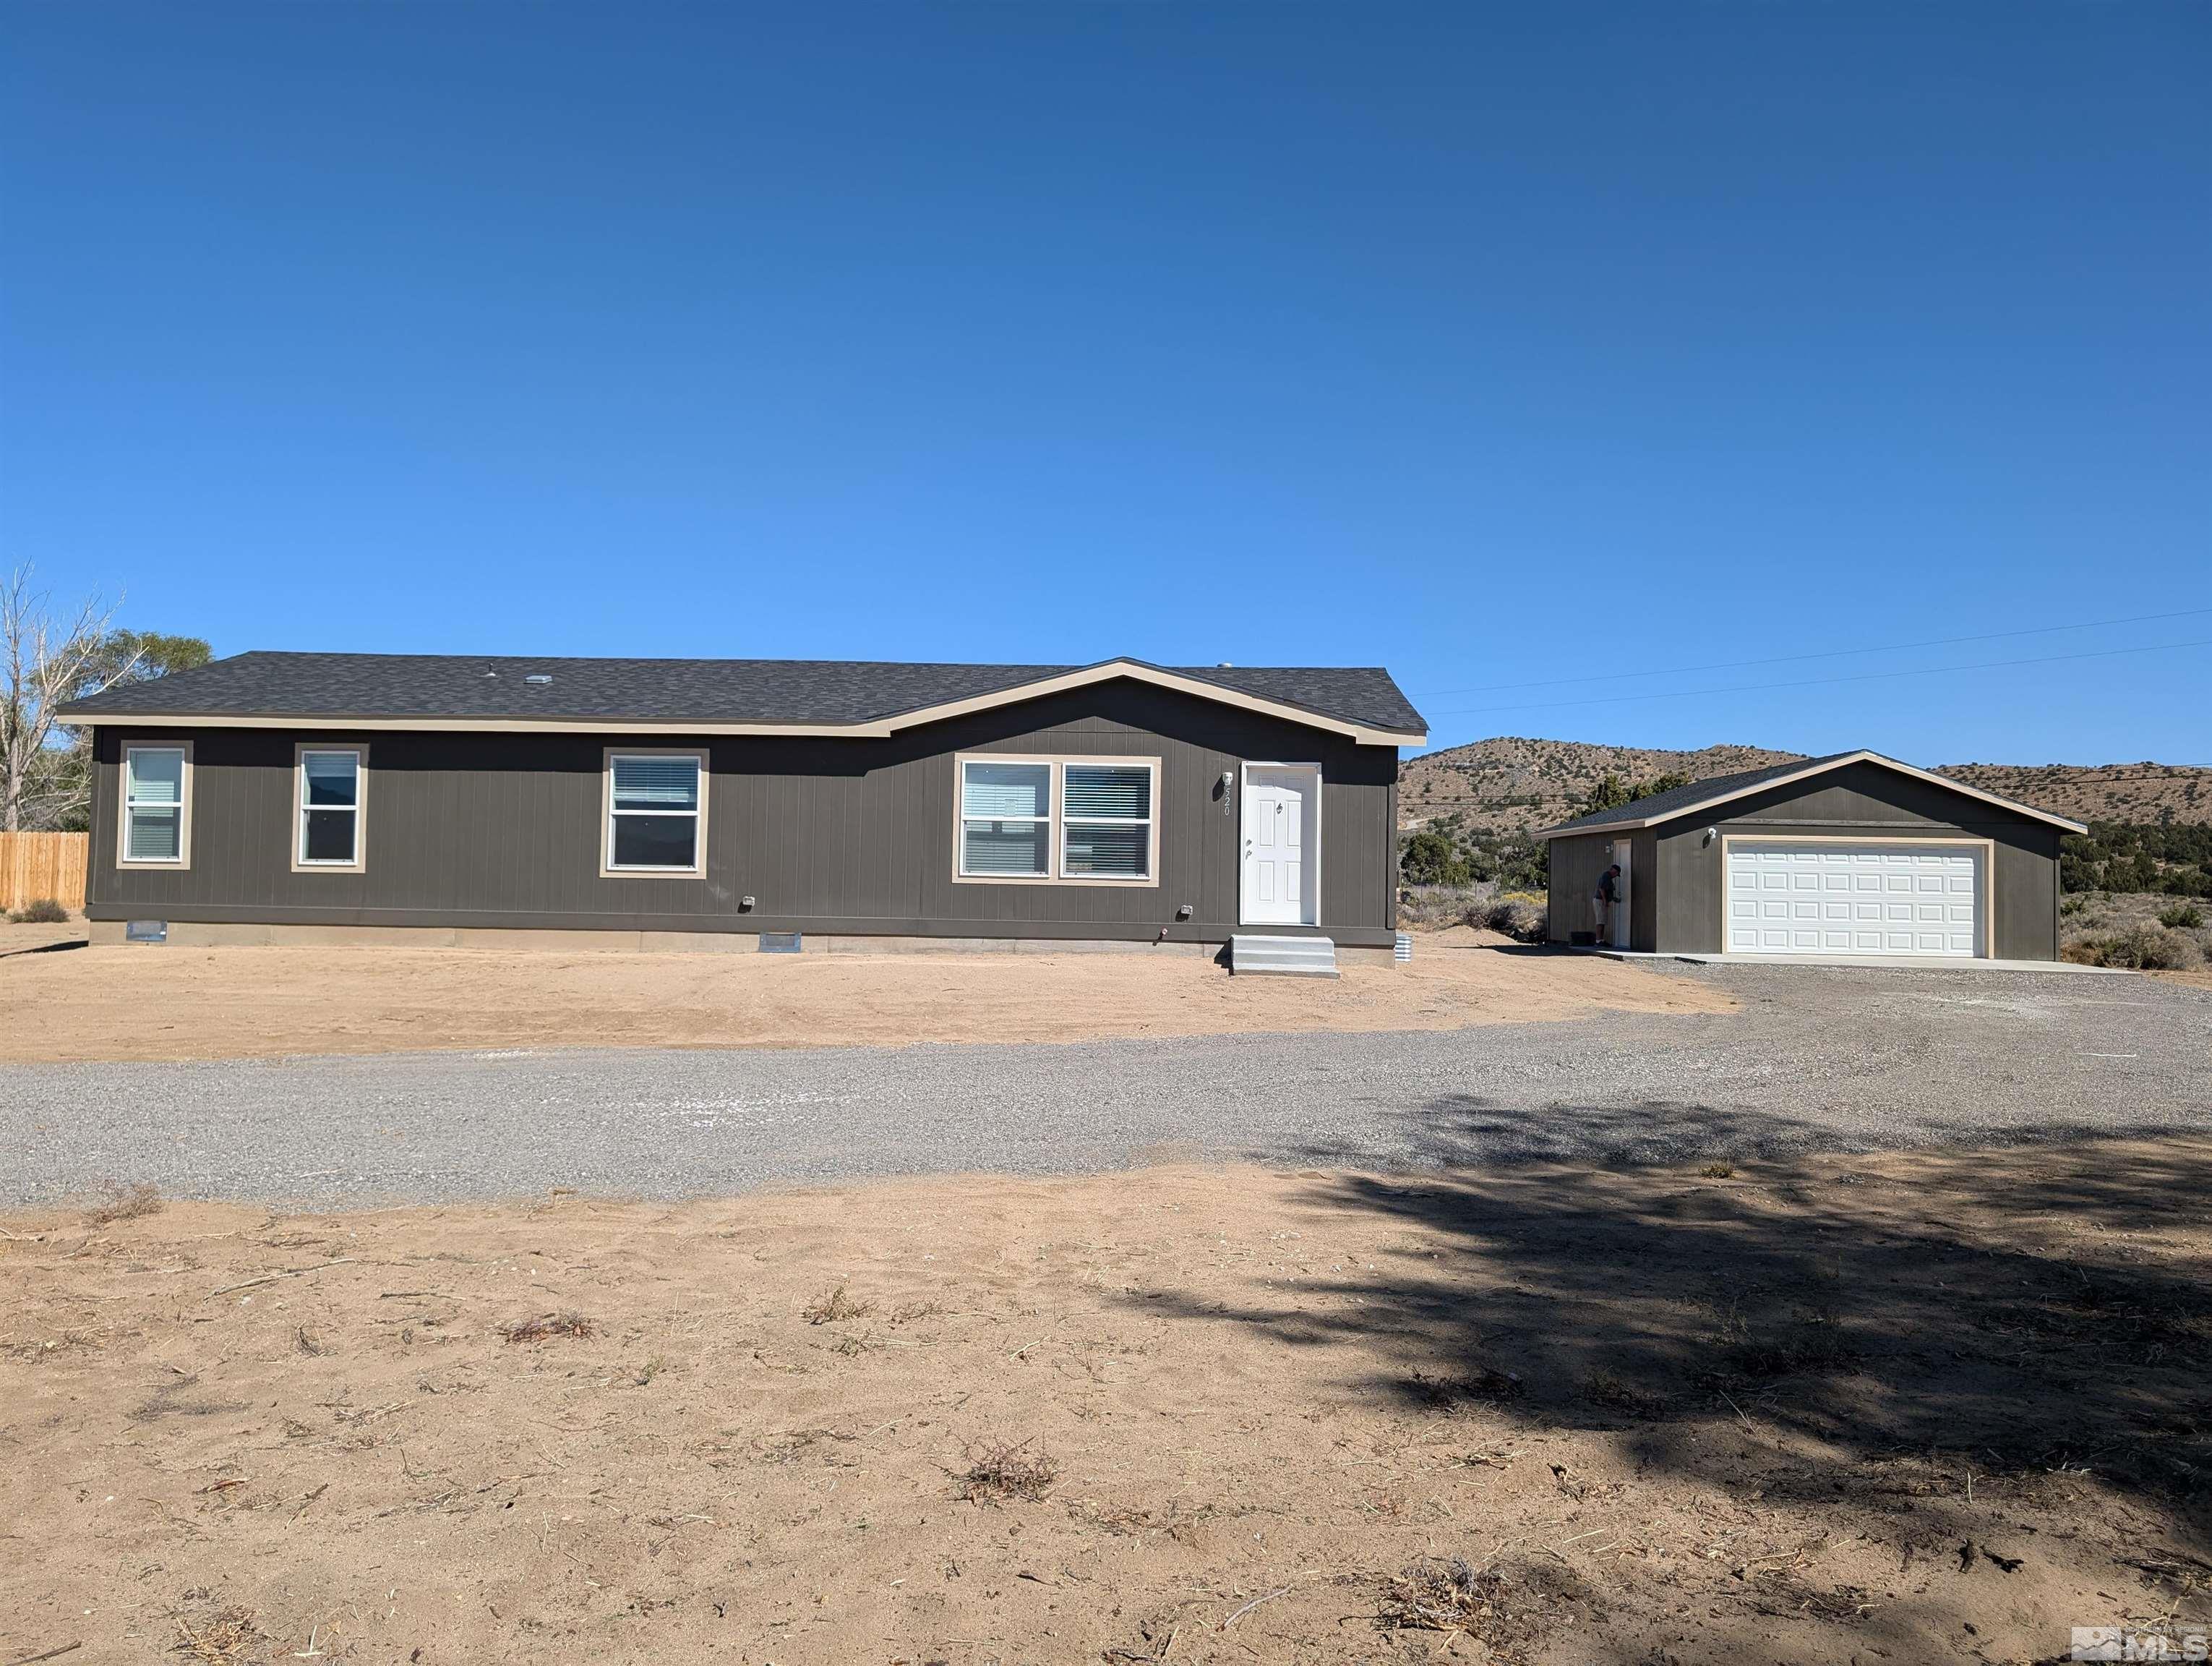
[(856, 698), (1656, 807)]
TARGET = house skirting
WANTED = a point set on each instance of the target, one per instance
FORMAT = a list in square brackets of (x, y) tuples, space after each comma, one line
[(742, 939)]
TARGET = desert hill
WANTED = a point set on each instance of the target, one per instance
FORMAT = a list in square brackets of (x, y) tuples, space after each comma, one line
[(1510, 784)]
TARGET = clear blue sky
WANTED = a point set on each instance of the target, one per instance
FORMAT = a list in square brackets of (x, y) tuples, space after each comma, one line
[(1497, 344)]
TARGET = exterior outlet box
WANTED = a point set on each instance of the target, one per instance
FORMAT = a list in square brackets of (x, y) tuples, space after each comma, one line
[(782, 942)]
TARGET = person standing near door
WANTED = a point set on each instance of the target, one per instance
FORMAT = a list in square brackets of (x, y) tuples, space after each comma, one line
[(1607, 899)]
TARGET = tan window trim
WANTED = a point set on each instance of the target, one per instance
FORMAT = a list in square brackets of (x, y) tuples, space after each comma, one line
[(607, 868), (360, 862), (122, 859), (1056, 822)]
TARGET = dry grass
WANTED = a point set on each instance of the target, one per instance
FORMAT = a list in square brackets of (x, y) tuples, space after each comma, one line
[(222, 1638), (1001, 1471), (134, 1203), (838, 1304), (547, 1326)]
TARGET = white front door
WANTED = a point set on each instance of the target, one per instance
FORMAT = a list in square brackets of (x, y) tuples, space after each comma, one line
[(1282, 844)]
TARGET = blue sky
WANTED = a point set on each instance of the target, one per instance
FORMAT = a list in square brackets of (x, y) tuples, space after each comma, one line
[(1501, 345)]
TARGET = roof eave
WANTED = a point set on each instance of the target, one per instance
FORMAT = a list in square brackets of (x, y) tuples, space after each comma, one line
[(1366, 734), (1822, 767)]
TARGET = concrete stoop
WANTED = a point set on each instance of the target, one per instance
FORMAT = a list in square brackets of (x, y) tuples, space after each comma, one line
[(1282, 957)]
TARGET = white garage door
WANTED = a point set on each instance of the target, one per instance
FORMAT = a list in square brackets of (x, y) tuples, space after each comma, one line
[(1845, 898)]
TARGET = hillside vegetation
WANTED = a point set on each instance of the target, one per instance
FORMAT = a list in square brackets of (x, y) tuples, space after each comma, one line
[(1511, 785)]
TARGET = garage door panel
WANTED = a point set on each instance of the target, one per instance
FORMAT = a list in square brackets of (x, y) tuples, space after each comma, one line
[(1818, 897)]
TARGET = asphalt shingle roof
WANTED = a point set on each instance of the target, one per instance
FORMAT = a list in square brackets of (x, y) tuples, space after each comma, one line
[(797, 691)]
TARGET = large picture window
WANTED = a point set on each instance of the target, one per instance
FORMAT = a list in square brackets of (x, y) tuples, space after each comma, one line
[(656, 813), (330, 793), (1043, 820), (156, 811)]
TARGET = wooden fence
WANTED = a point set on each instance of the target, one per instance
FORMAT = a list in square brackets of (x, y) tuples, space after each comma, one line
[(39, 865)]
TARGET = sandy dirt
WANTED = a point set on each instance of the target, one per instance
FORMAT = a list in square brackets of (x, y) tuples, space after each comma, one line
[(140, 1002), (1851, 1408)]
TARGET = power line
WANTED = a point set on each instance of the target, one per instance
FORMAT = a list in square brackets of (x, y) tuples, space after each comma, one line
[(1827, 653), (1821, 681)]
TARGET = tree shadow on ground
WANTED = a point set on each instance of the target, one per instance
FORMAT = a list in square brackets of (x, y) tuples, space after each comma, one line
[(1890, 1330)]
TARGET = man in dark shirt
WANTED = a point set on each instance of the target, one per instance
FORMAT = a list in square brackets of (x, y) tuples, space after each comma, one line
[(1608, 898)]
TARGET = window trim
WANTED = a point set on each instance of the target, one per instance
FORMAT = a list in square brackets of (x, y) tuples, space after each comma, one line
[(182, 860), (1057, 820), (607, 870), (299, 807)]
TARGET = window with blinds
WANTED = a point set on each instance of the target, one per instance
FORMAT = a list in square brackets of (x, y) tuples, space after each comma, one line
[(330, 798), (654, 812), (1006, 820), (1106, 820), (153, 786), (1043, 819)]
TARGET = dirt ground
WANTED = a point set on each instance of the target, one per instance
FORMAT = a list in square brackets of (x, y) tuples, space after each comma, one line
[(1850, 1408), (77, 1002)]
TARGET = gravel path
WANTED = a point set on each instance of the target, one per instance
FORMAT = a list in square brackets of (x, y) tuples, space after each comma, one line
[(1853, 1059)]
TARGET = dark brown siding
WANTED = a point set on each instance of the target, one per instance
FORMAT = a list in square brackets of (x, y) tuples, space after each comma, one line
[(1861, 799), (828, 834)]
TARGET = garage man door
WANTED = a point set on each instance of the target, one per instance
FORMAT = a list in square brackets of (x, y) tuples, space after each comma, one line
[(1842, 897)]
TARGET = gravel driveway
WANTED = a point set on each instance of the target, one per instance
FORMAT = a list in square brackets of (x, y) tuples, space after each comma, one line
[(1853, 1059)]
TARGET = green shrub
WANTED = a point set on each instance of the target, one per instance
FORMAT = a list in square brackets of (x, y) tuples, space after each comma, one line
[(1432, 859), (2071, 905), (2183, 916), (43, 912)]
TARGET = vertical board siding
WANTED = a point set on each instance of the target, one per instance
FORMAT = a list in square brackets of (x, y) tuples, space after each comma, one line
[(1863, 801), (827, 835), (38, 867)]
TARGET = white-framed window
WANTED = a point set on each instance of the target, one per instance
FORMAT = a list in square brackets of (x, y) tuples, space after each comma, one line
[(656, 813), (1057, 820), (156, 830), (1006, 820), (330, 798)]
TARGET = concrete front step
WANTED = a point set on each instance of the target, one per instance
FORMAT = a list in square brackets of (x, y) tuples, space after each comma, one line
[(1282, 957)]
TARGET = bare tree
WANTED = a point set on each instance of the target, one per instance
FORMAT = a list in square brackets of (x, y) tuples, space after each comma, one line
[(47, 659)]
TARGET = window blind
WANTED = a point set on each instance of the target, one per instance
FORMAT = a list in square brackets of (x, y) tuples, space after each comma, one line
[(333, 780), (156, 777), (1005, 790), (656, 783)]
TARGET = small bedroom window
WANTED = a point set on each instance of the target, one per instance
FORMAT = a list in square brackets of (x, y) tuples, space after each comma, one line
[(330, 794), (156, 831), (656, 813)]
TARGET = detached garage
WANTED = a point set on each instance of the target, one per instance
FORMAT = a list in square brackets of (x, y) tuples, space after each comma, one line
[(1853, 856)]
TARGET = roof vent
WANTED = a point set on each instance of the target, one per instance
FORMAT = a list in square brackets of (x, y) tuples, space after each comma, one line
[(539, 676), (1224, 665), (489, 673)]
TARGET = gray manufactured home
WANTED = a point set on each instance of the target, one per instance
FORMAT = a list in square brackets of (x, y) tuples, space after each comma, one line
[(1853, 855), (272, 797)]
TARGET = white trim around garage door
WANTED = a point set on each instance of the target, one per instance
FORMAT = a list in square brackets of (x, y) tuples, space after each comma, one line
[(1985, 901)]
